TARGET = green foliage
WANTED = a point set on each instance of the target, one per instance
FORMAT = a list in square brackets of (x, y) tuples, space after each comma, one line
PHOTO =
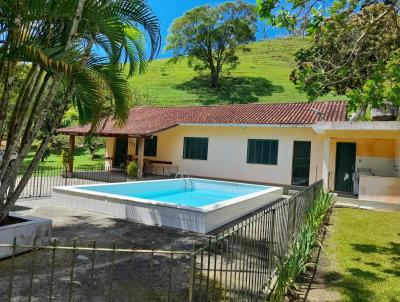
[(209, 36), (381, 88), (65, 158), (58, 143), (93, 144), (352, 43), (354, 67), (71, 117), (57, 41), (296, 260), (132, 169), (46, 153)]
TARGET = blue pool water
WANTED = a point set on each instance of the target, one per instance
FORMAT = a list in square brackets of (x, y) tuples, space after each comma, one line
[(193, 192)]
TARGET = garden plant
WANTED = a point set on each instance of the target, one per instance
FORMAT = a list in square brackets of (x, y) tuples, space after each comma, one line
[(296, 260)]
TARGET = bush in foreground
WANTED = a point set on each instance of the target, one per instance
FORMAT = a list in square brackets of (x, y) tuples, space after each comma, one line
[(295, 262)]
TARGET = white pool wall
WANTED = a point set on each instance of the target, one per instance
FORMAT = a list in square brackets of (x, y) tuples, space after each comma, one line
[(200, 220)]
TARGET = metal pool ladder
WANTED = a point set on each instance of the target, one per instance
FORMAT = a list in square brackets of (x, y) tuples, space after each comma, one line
[(189, 184)]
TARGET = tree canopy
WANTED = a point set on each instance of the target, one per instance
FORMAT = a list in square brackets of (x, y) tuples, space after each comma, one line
[(210, 36), (56, 41), (353, 51)]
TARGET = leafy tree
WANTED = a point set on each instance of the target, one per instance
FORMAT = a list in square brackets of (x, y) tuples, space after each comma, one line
[(93, 143), (56, 40), (209, 36), (353, 43), (335, 63)]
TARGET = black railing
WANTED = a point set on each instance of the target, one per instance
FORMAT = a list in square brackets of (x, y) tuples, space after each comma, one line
[(44, 179), (238, 263)]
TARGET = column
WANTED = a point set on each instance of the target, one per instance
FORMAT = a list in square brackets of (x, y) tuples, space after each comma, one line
[(325, 164), (71, 152), (140, 147)]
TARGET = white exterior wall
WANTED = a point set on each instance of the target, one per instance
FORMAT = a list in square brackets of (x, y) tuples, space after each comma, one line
[(227, 152)]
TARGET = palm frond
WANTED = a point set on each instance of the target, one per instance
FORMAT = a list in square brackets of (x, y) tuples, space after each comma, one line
[(139, 12)]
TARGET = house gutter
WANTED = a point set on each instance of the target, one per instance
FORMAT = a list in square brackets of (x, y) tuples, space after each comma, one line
[(248, 125)]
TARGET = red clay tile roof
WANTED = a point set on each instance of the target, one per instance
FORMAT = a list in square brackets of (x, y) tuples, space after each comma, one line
[(150, 120)]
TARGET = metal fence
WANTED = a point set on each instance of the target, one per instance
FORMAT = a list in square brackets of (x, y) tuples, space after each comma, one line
[(240, 262), (44, 179), (237, 263)]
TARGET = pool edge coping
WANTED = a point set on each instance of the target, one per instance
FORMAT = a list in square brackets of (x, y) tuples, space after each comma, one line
[(108, 197)]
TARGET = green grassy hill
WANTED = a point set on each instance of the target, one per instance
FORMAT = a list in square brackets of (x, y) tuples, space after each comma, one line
[(262, 76)]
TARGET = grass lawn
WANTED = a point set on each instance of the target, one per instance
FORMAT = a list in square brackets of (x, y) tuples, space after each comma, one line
[(81, 157), (262, 76), (364, 251)]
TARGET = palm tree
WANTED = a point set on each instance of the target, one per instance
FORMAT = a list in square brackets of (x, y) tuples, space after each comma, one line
[(76, 52)]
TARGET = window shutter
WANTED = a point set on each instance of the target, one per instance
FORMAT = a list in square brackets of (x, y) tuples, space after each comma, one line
[(195, 148), (262, 151)]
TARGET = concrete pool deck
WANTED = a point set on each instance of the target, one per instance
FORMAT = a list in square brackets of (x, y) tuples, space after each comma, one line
[(85, 227), (135, 277), (366, 205)]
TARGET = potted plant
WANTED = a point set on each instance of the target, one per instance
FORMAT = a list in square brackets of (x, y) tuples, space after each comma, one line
[(132, 169)]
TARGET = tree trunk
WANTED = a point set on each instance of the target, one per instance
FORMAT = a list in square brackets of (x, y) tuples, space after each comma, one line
[(6, 96), (8, 193), (214, 79), (12, 198)]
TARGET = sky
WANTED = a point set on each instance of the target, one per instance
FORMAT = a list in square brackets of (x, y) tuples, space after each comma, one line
[(168, 10)]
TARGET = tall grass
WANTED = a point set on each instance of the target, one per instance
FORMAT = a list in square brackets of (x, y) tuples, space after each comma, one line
[(295, 262)]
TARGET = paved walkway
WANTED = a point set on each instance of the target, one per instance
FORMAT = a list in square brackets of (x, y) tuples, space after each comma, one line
[(366, 205), (85, 227)]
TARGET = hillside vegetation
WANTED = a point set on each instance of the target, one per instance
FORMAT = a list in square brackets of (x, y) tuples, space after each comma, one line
[(262, 76)]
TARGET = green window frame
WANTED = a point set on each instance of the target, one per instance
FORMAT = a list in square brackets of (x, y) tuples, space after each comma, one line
[(262, 151), (150, 146), (195, 148)]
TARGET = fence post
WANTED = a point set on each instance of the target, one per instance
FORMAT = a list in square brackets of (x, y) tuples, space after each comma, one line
[(41, 182), (66, 175), (291, 227), (271, 254), (192, 274)]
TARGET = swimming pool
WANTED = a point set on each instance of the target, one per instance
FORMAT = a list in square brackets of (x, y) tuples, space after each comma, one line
[(190, 204)]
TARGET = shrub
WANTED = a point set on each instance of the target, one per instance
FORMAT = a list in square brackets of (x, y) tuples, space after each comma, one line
[(46, 153), (296, 260), (65, 157), (59, 143), (132, 169)]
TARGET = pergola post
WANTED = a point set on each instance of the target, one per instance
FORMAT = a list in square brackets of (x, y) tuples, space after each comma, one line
[(71, 153), (140, 156)]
